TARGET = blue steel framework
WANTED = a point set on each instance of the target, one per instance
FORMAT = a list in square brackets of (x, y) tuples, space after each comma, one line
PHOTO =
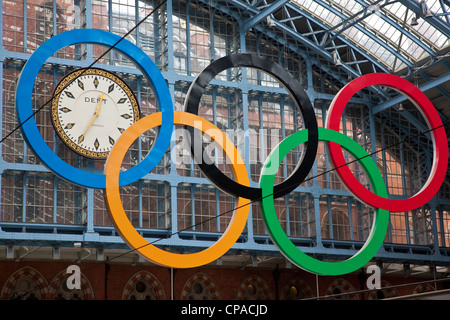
[(321, 216)]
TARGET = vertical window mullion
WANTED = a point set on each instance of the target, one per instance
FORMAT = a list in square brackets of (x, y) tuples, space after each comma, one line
[(24, 197), (25, 26), (188, 37)]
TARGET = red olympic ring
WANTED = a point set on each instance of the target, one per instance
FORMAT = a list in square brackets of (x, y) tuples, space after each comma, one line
[(439, 138)]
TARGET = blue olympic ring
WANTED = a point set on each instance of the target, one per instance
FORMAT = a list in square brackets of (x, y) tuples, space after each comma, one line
[(35, 140)]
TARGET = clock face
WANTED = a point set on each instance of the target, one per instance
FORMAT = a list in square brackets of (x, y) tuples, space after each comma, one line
[(91, 110)]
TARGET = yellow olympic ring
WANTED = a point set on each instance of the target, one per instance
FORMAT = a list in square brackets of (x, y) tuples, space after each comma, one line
[(126, 229)]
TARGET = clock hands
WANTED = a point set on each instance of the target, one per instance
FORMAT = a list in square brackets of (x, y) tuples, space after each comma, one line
[(96, 113), (81, 121)]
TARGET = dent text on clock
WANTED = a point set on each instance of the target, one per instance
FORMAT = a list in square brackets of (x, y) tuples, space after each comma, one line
[(94, 100)]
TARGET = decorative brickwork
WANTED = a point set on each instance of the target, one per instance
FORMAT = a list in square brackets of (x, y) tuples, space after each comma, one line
[(58, 289), (254, 288), (25, 284), (143, 286), (200, 287)]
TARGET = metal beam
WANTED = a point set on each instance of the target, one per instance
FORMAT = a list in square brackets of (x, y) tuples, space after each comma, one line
[(444, 92), (318, 49), (242, 6), (264, 13), (341, 38), (400, 98), (306, 41), (367, 33), (271, 34), (295, 35), (403, 30), (314, 60)]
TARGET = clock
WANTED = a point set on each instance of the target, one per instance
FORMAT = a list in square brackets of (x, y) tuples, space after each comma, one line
[(91, 109)]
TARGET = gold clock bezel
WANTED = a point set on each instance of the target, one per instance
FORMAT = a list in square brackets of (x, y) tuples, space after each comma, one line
[(68, 79)]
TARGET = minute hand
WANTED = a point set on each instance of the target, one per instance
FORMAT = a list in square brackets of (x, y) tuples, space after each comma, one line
[(96, 113)]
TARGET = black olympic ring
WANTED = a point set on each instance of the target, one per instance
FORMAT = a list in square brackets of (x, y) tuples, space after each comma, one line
[(300, 98)]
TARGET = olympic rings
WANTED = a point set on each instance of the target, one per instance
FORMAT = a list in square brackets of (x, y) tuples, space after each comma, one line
[(112, 178), (439, 138), (126, 229), (301, 100), (279, 237), (38, 144)]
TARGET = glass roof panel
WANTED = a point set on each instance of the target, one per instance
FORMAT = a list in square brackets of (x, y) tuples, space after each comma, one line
[(403, 16), (436, 7), (352, 33), (378, 25), (386, 24), (352, 6)]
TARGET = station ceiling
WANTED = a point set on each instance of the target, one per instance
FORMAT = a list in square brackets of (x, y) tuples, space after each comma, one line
[(408, 38)]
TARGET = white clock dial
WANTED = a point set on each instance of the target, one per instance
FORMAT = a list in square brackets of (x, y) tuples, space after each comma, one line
[(91, 110)]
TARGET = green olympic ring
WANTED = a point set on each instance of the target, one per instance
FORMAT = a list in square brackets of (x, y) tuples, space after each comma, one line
[(279, 237)]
